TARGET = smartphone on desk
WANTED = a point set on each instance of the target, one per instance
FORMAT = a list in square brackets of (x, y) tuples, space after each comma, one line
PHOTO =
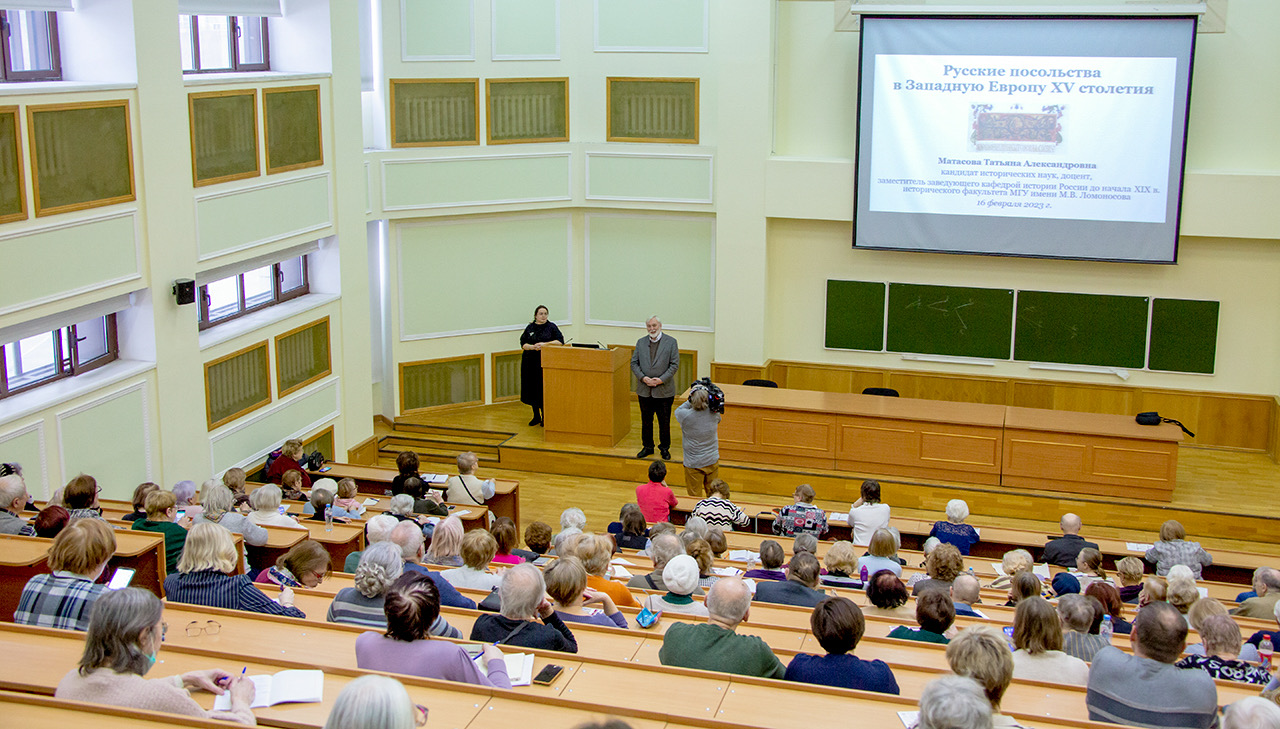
[(326, 469), (122, 577), (548, 674)]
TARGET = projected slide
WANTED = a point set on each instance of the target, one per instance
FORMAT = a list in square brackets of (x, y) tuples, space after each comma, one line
[(1047, 137), (1009, 136)]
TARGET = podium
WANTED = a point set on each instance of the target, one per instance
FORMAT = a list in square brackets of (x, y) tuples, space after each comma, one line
[(586, 395)]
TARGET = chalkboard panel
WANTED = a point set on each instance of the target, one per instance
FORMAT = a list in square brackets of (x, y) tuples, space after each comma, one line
[(1184, 335), (1086, 329), (855, 315), (950, 320)]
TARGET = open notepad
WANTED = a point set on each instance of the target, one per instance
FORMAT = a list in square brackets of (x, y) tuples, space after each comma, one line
[(303, 686), (519, 668)]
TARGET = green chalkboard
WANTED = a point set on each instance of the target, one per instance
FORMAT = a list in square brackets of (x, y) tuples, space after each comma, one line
[(855, 315), (1085, 329), (1184, 335), (950, 320)]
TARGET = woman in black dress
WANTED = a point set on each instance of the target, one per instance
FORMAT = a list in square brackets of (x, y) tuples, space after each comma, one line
[(539, 332)]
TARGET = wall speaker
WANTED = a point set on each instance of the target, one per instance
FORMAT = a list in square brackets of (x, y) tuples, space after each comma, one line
[(184, 290)]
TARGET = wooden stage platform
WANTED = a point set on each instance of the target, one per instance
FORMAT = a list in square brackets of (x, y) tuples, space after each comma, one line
[(1222, 497)]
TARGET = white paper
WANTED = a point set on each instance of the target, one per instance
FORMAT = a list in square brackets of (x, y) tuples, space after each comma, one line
[(369, 502), (434, 478), (979, 612), (301, 686), (999, 568), (840, 517), (519, 668), (743, 555), (460, 513), (1204, 591), (1137, 546), (977, 531), (909, 718), (1041, 571), (726, 571), (619, 560), (620, 572)]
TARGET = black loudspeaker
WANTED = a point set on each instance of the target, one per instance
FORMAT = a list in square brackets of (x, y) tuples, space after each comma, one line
[(184, 290)]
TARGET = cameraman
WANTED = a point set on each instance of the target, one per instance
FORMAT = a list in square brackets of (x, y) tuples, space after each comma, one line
[(698, 424)]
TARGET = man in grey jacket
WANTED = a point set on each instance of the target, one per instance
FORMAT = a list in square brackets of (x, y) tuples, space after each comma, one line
[(654, 363)]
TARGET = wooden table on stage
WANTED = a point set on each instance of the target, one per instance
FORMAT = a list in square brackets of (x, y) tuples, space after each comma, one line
[(375, 480), (868, 433), (1089, 453)]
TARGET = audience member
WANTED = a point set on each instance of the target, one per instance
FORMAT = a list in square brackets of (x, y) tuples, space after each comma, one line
[(206, 576), (664, 548), (566, 580), (1088, 568), (700, 550), (1173, 548), (680, 577), (888, 596), (1037, 638), (418, 499), (466, 488), (1023, 585), (523, 596), (380, 565), (718, 510), (347, 498), (478, 550), (406, 467), (943, 565), (1274, 635), (126, 631), (1011, 563), (805, 542), (1195, 618), (1222, 641), (412, 605), (928, 548), (13, 499), (841, 563), (1146, 689), (446, 544), (965, 593), (1064, 584), (80, 497), (65, 598), (377, 529), (50, 521), (403, 507), (188, 498), (717, 541), (655, 497), (306, 564), (981, 653), (867, 514), (1129, 573), (572, 521), (324, 494), (265, 501), (161, 513), (1062, 551), (235, 479), (771, 559), (838, 625), (506, 538), (1154, 589), (715, 645), (292, 485), (139, 501), (800, 587), (288, 460), (802, 516), (883, 554), (408, 537), (934, 616), (954, 531), (537, 537), (1106, 594), (1266, 585), (218, 510), (595, 551), (954, 702), (630, 531), (1182, 594), (375, 702), (1252, 712), (1077, 615)]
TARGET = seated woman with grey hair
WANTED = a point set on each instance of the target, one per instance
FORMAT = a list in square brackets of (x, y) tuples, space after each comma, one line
[(380, 565), (188, 499), (572, 521), (125, 633), (412, 605), (954, 531), (524, 599), (265, 501), (1222, 641), (218, 501), (375, 702), (927, 548), (954, 702), (1252, 712)]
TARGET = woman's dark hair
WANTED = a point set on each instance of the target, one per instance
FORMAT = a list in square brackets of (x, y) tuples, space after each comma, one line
[(934, 611), (412, 604), (1108, 595), (1024, 584), (871, 492), (1098, 611), (657, 471), (504, 533), (838, 624), (407, 462), (79, 492), (632, 519), (886, 591), (537, 537), (50, 521), (539, 307), (771, 554), (415, 487)]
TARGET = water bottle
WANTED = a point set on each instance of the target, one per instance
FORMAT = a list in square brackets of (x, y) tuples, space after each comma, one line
[(863, 575), (1107, 629), (1265, 649), (328, 517)]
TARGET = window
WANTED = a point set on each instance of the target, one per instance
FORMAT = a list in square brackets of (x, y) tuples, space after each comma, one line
[(235, 296), (30, 45), (212, 43), (65, 352)]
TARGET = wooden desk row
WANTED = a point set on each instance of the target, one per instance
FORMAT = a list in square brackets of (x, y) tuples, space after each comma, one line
[(376, 481)]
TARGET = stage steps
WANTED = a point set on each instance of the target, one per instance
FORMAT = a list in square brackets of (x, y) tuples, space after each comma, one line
[(440, 444)]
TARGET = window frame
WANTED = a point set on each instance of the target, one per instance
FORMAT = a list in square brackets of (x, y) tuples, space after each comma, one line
[(53, 73), (277, 295), (68, 361), (233, 40)]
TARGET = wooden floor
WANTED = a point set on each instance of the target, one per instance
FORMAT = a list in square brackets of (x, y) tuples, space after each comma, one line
[(1228, 495)]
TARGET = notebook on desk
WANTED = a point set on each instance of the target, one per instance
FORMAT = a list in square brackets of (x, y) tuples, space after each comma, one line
[(300, 686)]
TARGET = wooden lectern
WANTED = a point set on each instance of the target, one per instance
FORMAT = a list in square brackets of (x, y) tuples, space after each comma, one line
[(586, 395)]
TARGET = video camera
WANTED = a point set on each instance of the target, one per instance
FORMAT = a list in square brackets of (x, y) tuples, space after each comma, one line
[(715, 396)]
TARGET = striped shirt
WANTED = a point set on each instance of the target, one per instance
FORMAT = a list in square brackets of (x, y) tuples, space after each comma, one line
[(721, 513), (1082, 645), (212, 588), (60, 600), (349, 606), (11, 523)]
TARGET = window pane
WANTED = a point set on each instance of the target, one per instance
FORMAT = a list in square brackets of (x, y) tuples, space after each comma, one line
[(30, 360), (91, 339), (257, 287), (184, 41), (291, 273), (215, 42), (29, 48), (224, 298), (250, 40)]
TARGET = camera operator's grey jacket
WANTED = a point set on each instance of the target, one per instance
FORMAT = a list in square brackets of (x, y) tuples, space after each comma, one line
[(663, 366)]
